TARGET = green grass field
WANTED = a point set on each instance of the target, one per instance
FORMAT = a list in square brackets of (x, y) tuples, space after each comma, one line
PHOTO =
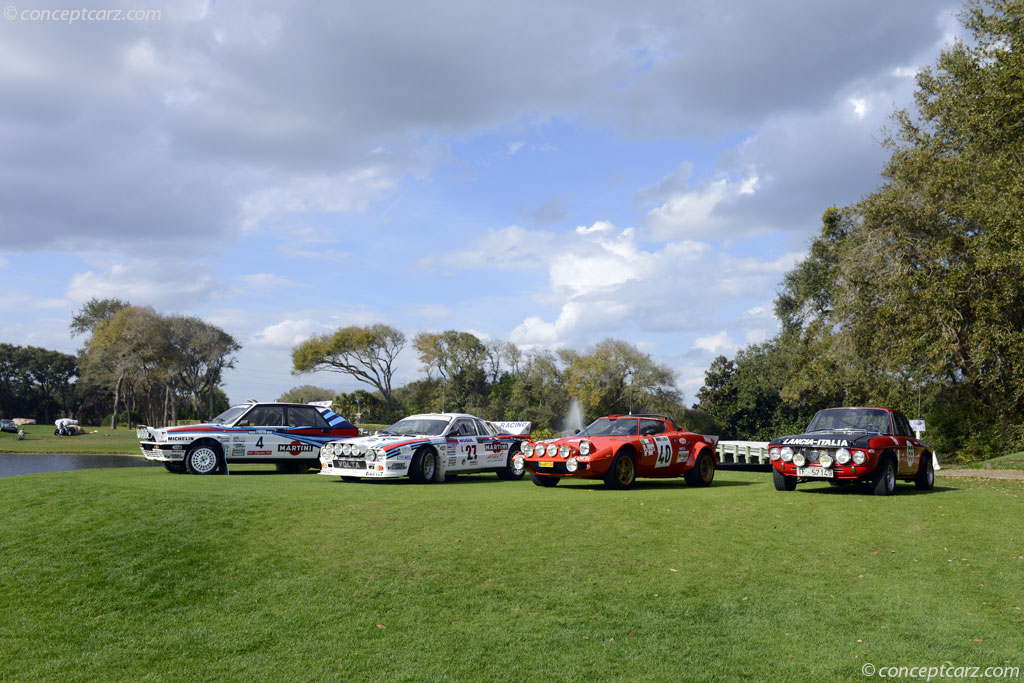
[(139, 574), (1012, 461), (41, 439)]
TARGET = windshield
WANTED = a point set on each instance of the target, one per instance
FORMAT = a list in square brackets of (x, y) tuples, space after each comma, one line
[(418, 425), (851, 419), (611, 426), (229, 415)]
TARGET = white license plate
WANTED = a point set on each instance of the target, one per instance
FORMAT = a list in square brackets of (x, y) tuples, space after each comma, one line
[(814, 472)]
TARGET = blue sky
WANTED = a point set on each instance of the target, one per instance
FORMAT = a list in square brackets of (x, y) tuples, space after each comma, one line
[(550, 174)]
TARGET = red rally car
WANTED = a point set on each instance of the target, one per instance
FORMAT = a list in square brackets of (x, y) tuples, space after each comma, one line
[(849, 445), (620, 448)]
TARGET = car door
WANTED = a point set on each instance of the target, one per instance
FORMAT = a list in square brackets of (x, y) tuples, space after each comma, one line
[(263, 435), (658, 450), (467, 445), (908, 447)]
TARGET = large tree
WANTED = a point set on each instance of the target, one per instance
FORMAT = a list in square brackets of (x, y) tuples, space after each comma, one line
[(460, 359), (366, 353)]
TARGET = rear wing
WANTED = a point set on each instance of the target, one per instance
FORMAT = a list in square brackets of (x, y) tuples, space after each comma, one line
[(517, 428), (714, 439)]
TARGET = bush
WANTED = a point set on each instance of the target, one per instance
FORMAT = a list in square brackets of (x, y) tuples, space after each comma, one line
[(122, 419)]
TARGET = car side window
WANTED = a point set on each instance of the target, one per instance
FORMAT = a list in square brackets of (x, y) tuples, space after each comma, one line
[(266, 416), (648, 427), (464, 427), (482, 428), (303, 416), (902, 425)]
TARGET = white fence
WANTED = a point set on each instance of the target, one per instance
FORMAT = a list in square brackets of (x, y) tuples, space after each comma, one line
[(743, 453)]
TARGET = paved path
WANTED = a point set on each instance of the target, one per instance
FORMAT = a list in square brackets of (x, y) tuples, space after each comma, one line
[(985, 474)]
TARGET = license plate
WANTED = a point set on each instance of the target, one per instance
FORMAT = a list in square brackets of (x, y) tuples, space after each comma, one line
[(814, 472), (547, 463), (349, 464)]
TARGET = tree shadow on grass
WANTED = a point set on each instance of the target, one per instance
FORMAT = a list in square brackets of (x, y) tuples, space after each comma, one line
[(855, 490)]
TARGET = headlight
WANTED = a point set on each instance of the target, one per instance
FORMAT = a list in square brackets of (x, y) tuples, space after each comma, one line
[(825, 461), (371, 455), (773, 453), (527, 449), (571, 465), (842, 456), (564, 451), (584, 448), (354, 449), (799, 460), (552, 450), (519, 462), (787, 454), (860, 457), (346, 449)]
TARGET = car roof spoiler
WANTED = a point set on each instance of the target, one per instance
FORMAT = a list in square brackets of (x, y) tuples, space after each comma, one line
[(518, 428)]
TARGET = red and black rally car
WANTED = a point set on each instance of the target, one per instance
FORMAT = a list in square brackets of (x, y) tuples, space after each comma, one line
[(846, 445), (620, 448)]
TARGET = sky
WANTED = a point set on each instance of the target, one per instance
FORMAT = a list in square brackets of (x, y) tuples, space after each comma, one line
[(550, 174)]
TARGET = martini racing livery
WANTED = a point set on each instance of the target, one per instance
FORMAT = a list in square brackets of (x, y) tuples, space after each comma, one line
[(428, 447), (620, 448), (848, 445), (287, 434)]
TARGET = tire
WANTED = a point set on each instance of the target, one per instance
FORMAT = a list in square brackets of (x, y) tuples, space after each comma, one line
[(545, 480), (509, 472), (424, 466), (925, 479), (782, 481), (351, 480), (176, 467), (703, 472), (883, 482), (622, 473), (203, 459)]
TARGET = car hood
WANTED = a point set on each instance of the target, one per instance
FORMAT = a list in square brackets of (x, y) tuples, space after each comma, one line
[(391, 442), (825, 440)]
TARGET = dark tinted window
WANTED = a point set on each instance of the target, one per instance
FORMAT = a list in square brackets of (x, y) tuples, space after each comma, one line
[(464, 427), (902, 425), (306, 416), (652, 427), (265, 416)]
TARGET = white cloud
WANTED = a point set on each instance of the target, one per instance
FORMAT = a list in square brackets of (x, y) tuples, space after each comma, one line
[(860, 106), (286, 333), (718, 343), (693, 213), (142, 283), (514, 147)]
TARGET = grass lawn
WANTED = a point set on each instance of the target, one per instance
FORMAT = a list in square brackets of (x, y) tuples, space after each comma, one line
[(41, 439), (1013, 461), (139, 574)]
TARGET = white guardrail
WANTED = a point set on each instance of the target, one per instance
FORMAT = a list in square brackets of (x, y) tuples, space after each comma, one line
[(743, 453)]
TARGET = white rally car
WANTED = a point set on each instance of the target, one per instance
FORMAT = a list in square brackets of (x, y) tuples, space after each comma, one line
[(427, 447), (289, 435)]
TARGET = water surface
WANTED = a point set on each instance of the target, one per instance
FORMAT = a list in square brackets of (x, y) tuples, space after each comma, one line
[(12, 464)]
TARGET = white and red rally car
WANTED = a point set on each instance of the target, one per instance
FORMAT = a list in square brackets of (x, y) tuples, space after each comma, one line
[(427, 447), (288, 435)]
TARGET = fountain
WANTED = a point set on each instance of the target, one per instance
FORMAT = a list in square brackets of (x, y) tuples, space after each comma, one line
[(573, 418)]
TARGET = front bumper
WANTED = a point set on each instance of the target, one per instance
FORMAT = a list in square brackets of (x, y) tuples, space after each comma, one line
[(162, 452), (850, 472), (587, 470), (375, 470)]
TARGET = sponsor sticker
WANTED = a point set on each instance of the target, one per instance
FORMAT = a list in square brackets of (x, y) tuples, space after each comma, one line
[(259, 452), (835, 443), (295, 447)]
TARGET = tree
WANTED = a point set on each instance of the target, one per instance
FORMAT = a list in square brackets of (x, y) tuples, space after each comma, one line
[(306, 393), (459, 359), (94, 312), (53, 373), (614, 376), (206, 352), (366, 353)]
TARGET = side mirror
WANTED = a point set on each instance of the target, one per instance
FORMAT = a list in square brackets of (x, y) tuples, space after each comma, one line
[(576, 431)]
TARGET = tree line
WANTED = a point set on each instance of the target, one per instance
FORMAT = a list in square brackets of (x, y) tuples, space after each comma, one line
[(912, 297), (493, 379), (136, 365)]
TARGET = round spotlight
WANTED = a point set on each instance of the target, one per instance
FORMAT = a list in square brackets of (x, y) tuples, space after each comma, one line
[(860, 457), (787, 454), (825, 461), (552, 450), (799, 460), (571, 465), (584, 448), (773, 453), (564, 451), (843, 456)]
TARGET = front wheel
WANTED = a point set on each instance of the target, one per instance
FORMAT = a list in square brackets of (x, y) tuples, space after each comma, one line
[(510, 472), (783, 482), (703, 472), (884, 481), (622, 473), (925, 479), (202, 459), (423, 466), (545, 480)]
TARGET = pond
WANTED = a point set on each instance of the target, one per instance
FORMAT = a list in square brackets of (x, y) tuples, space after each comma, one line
[(12, 464)]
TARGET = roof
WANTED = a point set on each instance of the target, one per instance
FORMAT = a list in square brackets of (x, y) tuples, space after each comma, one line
[(446, 416)]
